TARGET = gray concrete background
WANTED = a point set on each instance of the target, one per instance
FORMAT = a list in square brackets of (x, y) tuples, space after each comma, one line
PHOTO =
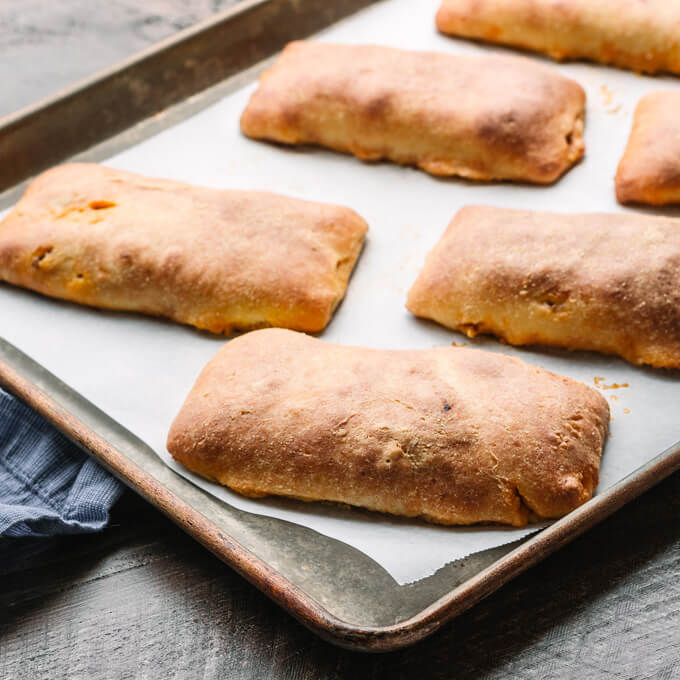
[(47, 45)]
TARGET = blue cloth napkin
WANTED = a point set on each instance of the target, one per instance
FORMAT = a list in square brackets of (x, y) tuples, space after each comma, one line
[(48, 486)]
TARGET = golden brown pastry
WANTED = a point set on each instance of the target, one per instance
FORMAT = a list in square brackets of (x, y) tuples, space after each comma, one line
[(642, 35), (455, 436), (649, 171), (477, 117), (218, 260), (609, 283)]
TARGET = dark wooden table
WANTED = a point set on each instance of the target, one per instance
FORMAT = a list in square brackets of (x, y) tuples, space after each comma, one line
[(142, 600)]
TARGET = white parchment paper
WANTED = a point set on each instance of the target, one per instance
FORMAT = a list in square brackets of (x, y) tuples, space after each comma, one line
[(139, 370)]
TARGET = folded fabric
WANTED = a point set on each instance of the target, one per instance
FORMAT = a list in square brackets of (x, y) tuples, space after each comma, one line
[(48, 486)]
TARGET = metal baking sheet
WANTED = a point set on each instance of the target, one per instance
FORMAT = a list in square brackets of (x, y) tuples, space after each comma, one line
[(366, 605)]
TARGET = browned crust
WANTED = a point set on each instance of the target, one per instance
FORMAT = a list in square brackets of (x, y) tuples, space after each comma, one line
[(218, 260), (454, 436), (649, 171), (630, 34), (603, 282), (484, 118)]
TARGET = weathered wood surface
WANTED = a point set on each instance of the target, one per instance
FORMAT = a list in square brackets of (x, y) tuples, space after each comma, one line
[(142, 600)]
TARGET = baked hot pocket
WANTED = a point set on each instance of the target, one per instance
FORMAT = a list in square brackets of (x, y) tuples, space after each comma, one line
[(603, 282), (218, 260), (455, 436), (649, 171), (641, 35), (477, 117)]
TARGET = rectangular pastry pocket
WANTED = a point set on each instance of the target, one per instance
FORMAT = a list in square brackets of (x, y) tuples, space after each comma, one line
[(483, 118), (649, 171), (641, 35), (219, 260), (603, 282), (451, 435)]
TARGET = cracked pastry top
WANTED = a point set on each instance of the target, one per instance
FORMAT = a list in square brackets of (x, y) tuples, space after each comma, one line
[(649, 171), (603, 282), (215, 259), (483, 118), (451, 435), (641, 35)]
